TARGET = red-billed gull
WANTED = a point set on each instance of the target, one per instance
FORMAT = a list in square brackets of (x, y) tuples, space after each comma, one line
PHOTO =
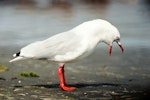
[(71, 45)]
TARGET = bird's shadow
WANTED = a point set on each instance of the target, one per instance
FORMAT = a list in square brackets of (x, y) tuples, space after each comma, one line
[(79, 85)]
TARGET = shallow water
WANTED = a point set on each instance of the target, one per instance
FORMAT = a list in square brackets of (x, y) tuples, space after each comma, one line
[(23, 24)]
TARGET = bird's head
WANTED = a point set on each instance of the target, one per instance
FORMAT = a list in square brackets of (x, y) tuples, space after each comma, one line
[(112, 36), (117, 40)]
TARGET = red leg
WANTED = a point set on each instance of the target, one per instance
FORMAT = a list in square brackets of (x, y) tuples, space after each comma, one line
[(62, 79)]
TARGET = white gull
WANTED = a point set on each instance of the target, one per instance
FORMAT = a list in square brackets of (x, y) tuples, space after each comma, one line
[(71, 45)]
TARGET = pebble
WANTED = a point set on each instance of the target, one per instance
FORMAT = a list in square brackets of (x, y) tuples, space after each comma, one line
[(10, 98), (18, 89), (21, 94), (34, 96), (19, 81), (2, 95), (85, 93), (37, 91), (46, 99)]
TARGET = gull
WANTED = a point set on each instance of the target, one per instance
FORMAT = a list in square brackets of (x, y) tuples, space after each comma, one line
[(71, 46)]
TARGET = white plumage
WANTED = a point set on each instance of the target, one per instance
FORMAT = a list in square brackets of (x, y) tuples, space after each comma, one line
[(72, 45)]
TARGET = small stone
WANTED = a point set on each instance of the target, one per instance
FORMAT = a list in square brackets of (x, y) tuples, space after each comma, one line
[(18, 89), (37, 91), (10, 98), (19, 81), (113, 92), (2, 95), (27, 93), (66, 97), (21, 94), (34, 96), (85, 93), (46, 99)]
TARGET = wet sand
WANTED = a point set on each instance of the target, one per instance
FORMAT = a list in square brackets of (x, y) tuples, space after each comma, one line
[(99, 77)]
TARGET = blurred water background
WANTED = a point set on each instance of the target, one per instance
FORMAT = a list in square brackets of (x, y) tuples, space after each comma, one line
[(26, 21)]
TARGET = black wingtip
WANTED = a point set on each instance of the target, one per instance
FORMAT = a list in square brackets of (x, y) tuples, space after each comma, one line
[(16, 54)]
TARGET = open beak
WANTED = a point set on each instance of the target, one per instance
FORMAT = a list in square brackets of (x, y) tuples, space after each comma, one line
[(119, 44), (121, 47)]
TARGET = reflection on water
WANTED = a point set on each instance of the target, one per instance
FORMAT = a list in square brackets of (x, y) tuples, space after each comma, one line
[(31, 20)]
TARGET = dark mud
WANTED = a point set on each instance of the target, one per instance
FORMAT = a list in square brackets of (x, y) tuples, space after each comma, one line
[(39, 89)]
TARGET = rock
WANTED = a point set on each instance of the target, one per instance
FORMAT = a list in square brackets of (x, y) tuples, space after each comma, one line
[(2, 95), (21, 94), (46, 99), (18, 89), (34, 96)]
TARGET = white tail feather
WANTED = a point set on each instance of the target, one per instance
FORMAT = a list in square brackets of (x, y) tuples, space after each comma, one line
[(17, 58)]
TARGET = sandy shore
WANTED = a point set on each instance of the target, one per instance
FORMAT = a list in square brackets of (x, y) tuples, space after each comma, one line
[(95, 78)]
